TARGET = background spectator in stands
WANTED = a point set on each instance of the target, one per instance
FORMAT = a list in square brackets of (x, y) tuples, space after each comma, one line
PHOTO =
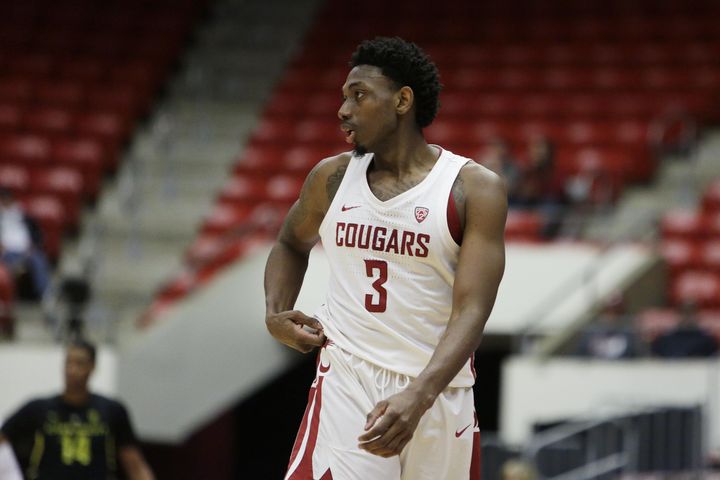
[(498, 158), (536, 182), (687, 339), (611, 337), (21, 243)]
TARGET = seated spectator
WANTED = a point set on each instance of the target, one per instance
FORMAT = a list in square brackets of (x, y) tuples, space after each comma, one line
[(687, 340), (536, 185), (611, 338), (498, 158), (20, 241)]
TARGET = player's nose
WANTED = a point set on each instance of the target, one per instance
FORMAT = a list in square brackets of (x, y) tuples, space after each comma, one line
[(344, 111)]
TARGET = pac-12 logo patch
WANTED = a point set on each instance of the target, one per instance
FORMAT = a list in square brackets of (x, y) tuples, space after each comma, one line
[(421, 214)]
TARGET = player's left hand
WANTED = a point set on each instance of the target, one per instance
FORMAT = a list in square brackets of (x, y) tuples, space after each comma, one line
[(391, 424)]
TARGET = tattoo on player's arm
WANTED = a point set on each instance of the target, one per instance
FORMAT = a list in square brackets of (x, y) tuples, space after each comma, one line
[(333, 182), (458, 190)]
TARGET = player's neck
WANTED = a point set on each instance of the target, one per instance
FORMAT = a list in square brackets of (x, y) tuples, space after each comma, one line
[(76, 396), (404, 153)]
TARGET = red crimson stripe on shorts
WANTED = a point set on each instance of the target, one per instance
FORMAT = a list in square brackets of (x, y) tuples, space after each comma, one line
[(303, 470)]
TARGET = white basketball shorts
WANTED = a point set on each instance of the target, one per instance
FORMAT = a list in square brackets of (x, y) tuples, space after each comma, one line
[(446, 444)]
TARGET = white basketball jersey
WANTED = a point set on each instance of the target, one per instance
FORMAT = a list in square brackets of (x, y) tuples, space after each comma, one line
[(392, 267)]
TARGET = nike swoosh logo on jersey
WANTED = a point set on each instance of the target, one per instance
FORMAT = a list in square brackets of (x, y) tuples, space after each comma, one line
[(460, 432), (324, 368), (346, 208)]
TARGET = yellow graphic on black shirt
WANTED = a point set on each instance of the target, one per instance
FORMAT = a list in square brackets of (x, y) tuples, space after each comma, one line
[(75, 449), (75, 436)]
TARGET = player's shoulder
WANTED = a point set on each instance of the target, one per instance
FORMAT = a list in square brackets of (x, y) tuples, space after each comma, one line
[(331, 165), (324, 179), (481, 181)]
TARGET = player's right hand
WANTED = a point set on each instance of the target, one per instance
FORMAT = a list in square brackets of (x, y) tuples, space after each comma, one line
[(287, 327)]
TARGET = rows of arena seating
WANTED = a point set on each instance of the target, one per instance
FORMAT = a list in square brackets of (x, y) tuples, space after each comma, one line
[(75, 78), (691, 249), (590, 76)]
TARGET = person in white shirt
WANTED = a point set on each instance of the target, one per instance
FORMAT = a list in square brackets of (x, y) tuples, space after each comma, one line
[(414, 238), (20, 243)]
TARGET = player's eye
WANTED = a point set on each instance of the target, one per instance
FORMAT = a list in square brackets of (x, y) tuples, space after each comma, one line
[(359, 95)]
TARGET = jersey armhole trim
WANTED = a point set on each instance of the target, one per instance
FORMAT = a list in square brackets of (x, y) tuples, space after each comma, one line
[(453, 220)]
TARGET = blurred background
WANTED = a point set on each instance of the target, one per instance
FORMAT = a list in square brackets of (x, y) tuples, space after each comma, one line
[(152, 147)]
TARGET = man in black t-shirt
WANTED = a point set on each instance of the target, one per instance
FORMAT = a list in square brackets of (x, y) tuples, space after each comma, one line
[(77, 435)]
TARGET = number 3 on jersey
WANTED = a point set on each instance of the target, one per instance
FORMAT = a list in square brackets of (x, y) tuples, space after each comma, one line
[(376, 269)]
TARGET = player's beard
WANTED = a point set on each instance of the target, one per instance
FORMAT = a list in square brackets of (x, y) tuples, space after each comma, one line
[(360, 150)]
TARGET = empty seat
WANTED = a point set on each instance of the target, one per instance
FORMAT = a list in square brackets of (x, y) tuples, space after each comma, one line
[(15, 89), (711, 198), (15, 178), (10, 117), (700, 287), (710, 255), (709, 320), (682, 224), (84, 155), (110, 128), (64, 183), (680, 255), (224, 218), (60, 94), (655, 321), (523, 226), (48, 121), (26, 150)]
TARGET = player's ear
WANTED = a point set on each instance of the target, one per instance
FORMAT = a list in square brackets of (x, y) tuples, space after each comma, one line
[(404, 99)]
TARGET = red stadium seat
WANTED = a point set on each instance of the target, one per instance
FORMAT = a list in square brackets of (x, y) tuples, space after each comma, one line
[(700, 287), (284, 188), (10, 117), (124, 101), (87, 70), (110, 128), (523, 226), (680, 255), (32, 66), (48, 121), (302, 159), (87, 156), (27, 150), (709, 320), (243, 189), (710, 255), (7, 299), (60, 94), (225, 217), (682, 224), (65, 183), (15, 89), (205, 247), (656, 321), (711, 198), (15, 178)]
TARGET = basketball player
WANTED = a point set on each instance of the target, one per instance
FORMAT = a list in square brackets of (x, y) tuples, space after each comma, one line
[(414, 238), (74, 436)]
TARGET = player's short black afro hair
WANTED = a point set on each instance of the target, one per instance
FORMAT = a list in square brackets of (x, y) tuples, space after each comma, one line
[(405, 64)]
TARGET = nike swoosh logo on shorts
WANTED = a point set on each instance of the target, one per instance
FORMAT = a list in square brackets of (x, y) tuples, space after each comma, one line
[(460, 432)]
